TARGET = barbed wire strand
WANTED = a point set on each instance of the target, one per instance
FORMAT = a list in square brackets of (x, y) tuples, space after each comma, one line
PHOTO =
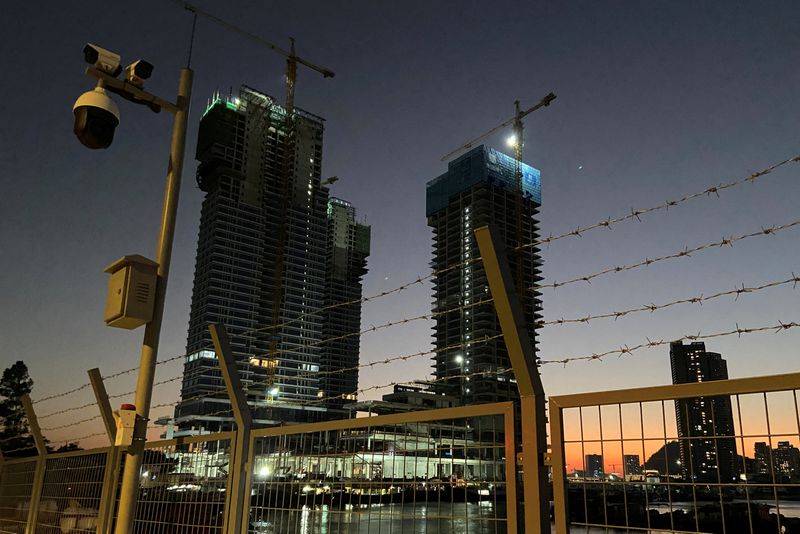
[(578, 232), (404, 357), (109, 377), (699, 299), (780, 327), (636, 214), (389, 324), (191, 374), (685, 253)]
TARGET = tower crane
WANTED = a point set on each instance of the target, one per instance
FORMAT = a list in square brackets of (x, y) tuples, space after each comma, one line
[(517, 142), (292, 62), (292, 59)]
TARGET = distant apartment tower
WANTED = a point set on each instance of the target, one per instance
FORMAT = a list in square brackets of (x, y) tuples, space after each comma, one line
[(479, 189), (787, 459), (268, 231), (347, 251), (704, 457), (594, 466), (763, 458), (631, 465)]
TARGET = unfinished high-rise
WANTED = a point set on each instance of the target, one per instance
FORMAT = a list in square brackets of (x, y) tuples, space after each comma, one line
[(267, 263), (479, 188)]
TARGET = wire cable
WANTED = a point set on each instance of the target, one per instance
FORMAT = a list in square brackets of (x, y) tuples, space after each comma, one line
[(685, 253), (636, 214), (699, 299), (780, 327)]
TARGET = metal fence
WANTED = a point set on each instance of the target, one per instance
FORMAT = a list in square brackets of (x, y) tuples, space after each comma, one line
[(184, 485), (441, 470), (622, 461), (16, 487), (718, 456), (72, 492), (430, 471)]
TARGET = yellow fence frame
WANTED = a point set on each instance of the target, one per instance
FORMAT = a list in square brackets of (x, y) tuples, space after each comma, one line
[(505, 409), (735, 386)]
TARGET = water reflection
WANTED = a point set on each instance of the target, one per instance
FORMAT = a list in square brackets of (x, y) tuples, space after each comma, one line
[(422, 518)]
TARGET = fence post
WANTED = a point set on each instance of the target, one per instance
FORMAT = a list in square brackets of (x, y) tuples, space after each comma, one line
[(237, 503), (560, 496), (41, 463), (101, 396), (105, 514), (531, 392)]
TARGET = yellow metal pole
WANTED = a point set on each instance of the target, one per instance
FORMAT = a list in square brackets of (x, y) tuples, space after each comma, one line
[(41, 464), (147, 367), (101, 396), (111, 470), (238, 497), (531, 392), (560, 501)]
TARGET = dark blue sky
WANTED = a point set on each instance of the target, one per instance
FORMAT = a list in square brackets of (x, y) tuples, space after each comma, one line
[(655, 100)]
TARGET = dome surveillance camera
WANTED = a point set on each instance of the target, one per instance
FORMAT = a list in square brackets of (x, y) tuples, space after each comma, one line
[(96, 118)]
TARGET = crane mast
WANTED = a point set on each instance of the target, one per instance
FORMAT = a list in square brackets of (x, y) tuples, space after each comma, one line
[(518, 143)]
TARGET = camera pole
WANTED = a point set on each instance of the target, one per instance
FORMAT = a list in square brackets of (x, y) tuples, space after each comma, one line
[(144, 387)]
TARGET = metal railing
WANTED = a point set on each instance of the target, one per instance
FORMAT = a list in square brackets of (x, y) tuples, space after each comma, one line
[(719, 456), (16, 488), (184, 484), (445, 469), (436, 470), (626, 460)]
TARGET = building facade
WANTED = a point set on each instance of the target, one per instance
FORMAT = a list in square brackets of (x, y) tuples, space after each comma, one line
[(704, 456), (594, 466), (479, 188), (347, 251), (631, 465), (263, 265)]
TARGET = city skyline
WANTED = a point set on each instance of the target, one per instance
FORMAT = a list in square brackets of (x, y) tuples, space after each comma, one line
[(644, 114)]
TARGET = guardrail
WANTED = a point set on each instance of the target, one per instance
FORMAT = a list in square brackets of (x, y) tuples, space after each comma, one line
[(718, 456)]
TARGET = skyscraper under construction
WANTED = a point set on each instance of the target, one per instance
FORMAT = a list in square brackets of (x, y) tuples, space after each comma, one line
[(274, 250), (479, 188)]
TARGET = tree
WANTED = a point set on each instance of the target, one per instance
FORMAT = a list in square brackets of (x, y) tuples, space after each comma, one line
[(15, 439)]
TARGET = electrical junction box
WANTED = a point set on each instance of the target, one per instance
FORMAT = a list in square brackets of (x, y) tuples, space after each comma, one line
[(131, 292)]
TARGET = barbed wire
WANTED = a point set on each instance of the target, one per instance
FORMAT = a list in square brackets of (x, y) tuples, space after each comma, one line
[(374, 328), (73, 423), (686, 252), (76, 440), (426, 381), (105, 378), (466, 344), (361, 300), (780, 327), (346, 396), (67, 410), (636, 214), (699, 299), (63, 393)]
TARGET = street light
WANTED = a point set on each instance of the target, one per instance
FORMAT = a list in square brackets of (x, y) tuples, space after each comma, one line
[(94, 125)]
